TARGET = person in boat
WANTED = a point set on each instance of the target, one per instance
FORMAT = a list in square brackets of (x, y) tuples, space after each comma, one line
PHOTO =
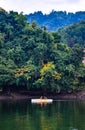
[(43, 97)]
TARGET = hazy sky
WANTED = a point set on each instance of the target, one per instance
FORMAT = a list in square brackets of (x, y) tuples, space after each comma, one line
[(46, 6)]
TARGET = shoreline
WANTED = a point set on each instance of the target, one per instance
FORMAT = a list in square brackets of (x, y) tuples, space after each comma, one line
[(66, 96)]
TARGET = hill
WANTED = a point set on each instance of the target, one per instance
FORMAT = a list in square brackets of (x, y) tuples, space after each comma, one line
[(31, 58), (55, 20), (73, 34)]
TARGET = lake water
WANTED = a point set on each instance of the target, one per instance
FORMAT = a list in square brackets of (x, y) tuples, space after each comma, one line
[(60, 115)]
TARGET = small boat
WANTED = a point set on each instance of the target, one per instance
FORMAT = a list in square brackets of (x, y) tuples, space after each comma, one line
[(41, 101)]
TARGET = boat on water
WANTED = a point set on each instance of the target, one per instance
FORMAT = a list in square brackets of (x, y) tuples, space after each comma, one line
[(41, 101)]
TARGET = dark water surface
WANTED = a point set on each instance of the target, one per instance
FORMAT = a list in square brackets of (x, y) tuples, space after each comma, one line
[(60, 115)]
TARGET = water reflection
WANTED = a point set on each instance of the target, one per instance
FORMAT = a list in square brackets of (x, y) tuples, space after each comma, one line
[(60, 115)]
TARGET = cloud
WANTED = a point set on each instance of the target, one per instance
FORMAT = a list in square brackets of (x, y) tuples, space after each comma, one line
[(28, 6), (73, 1)]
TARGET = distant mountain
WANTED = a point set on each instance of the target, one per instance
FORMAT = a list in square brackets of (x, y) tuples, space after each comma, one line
[(55, 20)]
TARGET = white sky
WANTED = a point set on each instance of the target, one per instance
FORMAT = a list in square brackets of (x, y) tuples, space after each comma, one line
[(46, 6)]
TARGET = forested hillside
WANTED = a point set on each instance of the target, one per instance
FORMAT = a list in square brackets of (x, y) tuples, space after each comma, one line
[(73, 34), (32, 58), (56, 20)]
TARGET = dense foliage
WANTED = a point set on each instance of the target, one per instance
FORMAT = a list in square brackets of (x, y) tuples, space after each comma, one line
[(32, 58), (55, 20), (73, 34)]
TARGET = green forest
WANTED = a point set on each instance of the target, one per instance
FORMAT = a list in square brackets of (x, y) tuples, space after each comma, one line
[(32, 58)]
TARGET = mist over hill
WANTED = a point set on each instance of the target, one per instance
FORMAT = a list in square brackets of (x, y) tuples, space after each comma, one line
[(55, 19)]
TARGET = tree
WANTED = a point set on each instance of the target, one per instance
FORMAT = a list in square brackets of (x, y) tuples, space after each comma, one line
[(7, 70), (48, 77), (25, 76)]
